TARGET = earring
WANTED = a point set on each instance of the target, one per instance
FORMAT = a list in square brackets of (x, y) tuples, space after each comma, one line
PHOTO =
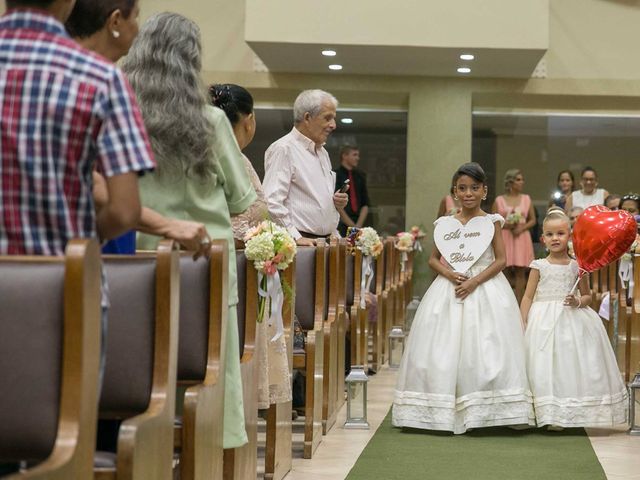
[(455, 198), (115, 34), (484, 198)]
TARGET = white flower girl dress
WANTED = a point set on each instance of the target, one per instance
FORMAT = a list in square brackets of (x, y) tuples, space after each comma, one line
[(464, 364), (572, 369)]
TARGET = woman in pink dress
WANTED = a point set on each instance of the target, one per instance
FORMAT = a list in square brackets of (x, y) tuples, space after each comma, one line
[(449, 205), (517, 209)]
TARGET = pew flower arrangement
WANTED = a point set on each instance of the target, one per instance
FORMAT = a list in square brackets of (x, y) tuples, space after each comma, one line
[(418, 235), (405, 243), (271, 249), (369, 243)]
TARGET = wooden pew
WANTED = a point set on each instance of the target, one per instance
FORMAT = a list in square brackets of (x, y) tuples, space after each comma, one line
[(343, 322), (140, 373), (377, 332), (311, 297), (389, 296), (49, 360), (242, 462), (332, 345), (359, 320), (278, 455), (201, 353)]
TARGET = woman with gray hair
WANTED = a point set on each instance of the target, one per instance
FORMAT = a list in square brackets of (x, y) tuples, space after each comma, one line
[(520, 216), (200, 175)]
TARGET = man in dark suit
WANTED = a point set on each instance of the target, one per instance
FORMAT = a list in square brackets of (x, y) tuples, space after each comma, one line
[(357, 208)]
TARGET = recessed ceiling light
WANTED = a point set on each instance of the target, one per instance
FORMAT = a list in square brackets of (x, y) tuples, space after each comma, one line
[(348, 121), (329, 53), (335, 67), (464, 70), (467, 56)]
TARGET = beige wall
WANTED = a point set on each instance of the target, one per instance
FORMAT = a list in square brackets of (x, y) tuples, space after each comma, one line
[(488, 24)]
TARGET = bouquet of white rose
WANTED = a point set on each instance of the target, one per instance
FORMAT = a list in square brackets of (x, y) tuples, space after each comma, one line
[(404, 242), (514, 218), (369, 243), (271, 248)]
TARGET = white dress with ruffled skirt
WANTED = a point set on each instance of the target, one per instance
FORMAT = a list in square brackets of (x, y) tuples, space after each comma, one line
[(572, 369), (464, 363)]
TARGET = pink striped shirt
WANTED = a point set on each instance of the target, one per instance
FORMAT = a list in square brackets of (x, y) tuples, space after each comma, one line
[(299, 185)]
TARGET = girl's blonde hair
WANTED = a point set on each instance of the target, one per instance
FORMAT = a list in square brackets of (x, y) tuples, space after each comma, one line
[(555, 213), (510, 177)]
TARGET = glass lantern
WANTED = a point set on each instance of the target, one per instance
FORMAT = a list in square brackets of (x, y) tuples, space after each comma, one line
[(634, 410), (412, 308), (396, 346), (356, 383)]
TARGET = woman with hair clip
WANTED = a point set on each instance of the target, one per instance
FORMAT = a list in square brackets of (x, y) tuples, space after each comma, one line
[(274, 379), (517, 210), (108, 28), (201, 175)]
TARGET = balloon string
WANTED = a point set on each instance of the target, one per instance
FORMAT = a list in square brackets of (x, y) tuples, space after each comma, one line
[(581, 274)]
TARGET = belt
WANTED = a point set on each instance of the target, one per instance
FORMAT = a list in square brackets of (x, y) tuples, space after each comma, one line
[(313, 236)]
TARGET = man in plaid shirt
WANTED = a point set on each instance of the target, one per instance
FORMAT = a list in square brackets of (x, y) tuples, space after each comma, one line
[(63, 110)]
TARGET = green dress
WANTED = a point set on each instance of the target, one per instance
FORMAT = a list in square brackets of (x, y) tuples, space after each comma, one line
[(228, 192)]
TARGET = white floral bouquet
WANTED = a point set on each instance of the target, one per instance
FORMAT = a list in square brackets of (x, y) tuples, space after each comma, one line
[(366, 240), (514, 218), (405, 241), (369, 243), (271, 248)]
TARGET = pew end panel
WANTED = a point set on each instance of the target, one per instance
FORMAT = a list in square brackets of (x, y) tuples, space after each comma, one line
[(204, 315), (57, 359)]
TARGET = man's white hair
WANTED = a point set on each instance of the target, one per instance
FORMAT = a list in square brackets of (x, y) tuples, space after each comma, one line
[(311, 101)]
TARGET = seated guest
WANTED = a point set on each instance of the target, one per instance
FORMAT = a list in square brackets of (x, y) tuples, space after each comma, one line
[(108, 28), (298, 182), (589, 194), (357, 209), (630, 203), (274, 379), (612, 202), (200, 176)]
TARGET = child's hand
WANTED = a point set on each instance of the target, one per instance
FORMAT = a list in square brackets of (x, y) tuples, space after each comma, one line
[(571, 301), (456, 278), (465, 289)]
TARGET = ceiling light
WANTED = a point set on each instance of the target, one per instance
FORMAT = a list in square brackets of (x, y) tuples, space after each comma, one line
[(329, 53), (467, 56), (348, 121), (335, 67), (464, 70)]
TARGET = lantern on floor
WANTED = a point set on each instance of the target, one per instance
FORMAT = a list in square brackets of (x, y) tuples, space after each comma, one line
[(634, 410), (412, 308), (356, 383), (396, 346)]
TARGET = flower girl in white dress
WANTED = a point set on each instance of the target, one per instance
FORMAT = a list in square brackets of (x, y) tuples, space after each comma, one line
[(464, 365), (572, 369)]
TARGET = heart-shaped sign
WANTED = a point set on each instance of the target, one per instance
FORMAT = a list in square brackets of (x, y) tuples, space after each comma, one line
[(462, 245), (601, 236)]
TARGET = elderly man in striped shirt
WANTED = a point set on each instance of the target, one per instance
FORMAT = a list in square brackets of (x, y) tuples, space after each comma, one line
[(299, 183)]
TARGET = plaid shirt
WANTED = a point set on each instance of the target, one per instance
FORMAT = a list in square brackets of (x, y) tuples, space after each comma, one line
[(62, 109)]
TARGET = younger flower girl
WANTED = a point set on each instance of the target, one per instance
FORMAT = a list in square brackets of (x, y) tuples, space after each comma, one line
[(572, 369)]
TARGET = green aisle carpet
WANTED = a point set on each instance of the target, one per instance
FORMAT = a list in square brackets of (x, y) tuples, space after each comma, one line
[(483, 454)]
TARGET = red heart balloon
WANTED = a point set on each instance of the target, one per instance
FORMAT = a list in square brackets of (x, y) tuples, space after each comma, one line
[(602, 236)]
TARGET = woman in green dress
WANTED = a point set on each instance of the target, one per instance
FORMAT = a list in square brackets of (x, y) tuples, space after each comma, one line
[(200, 174)]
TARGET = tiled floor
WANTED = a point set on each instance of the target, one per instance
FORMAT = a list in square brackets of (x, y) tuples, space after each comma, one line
[(618, 453)]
